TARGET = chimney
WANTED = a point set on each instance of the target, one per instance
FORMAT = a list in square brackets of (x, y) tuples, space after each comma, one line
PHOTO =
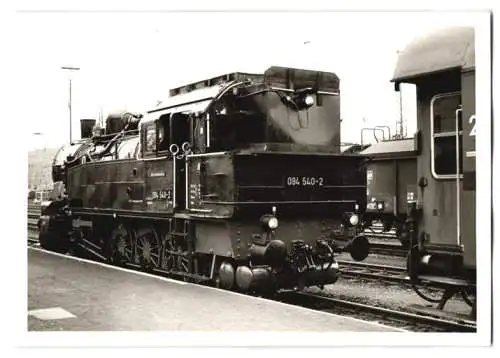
[(86, 126)]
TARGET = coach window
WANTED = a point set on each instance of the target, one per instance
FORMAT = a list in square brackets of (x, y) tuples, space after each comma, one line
[(443, 133)]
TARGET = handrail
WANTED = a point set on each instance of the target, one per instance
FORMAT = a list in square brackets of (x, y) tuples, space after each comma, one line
[(457, 162), (373, 131), (388, 130)]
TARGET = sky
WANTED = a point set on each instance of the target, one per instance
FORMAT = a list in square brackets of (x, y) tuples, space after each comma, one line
[(131, 60)]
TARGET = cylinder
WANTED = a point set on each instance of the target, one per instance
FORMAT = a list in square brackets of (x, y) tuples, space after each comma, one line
[(273, 254), (226, 275), (257, 278), (323, 275)]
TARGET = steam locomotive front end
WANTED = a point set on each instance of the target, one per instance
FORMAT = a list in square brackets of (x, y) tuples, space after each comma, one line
[(302, 214), (292, 198)]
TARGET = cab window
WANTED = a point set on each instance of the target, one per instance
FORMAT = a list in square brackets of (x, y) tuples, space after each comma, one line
[(443, 135), (163, 130), (149, 139)]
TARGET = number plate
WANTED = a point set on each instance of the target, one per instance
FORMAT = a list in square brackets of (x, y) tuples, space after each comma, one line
[(304, 181), (161, 194)]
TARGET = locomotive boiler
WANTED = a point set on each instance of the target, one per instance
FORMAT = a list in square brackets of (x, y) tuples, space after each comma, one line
[(442, 220), (236, 179)]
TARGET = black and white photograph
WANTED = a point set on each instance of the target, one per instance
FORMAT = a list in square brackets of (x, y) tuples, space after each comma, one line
[(232, 175)]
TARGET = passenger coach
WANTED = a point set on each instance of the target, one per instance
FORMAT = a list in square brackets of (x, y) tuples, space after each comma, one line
[(442, 223)]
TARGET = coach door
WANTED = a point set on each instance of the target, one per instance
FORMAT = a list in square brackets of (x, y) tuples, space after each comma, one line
[(442, 191)]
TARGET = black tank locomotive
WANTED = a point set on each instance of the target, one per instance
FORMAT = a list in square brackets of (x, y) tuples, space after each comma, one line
[(236, 179)]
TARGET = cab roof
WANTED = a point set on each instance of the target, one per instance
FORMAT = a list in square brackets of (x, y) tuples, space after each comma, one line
[(440, 50), (196, 96)]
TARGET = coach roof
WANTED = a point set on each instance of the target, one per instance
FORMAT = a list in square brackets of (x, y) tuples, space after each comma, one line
[(441, 50)]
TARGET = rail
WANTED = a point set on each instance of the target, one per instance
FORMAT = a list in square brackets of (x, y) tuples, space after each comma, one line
[(374, 271), (397, 318)]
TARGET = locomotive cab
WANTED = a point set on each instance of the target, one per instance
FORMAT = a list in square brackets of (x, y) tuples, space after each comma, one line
[(442, 66)]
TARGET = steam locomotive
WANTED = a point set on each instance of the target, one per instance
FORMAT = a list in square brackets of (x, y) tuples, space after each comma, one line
[(237, 180), (425, 186)]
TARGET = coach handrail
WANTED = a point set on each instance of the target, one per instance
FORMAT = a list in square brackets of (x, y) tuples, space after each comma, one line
[(457, 162)]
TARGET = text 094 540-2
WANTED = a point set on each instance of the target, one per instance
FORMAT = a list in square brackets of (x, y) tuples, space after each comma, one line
[(304, 181)]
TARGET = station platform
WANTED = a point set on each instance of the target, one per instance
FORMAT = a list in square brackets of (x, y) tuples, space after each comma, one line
[(71, 294)]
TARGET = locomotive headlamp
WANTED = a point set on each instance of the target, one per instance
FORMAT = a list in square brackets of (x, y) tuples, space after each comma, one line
[(308, 100), (304, 101), (354, 220), (380, 205), (269, 222), (301, 99), (272, 223)]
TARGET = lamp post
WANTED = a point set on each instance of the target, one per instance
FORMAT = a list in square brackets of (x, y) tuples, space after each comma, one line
[(70, 113), (401, 123)]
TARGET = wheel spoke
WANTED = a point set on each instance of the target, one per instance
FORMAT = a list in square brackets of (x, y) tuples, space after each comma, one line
[(174, 257), (148, 249), (155, 259), (122, 250)]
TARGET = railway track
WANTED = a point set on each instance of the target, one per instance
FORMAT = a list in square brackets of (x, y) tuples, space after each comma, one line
[(397, 318), (374, 271), (33, 215), (428, 290), (377, 231), (388, 249), (384, 242)]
